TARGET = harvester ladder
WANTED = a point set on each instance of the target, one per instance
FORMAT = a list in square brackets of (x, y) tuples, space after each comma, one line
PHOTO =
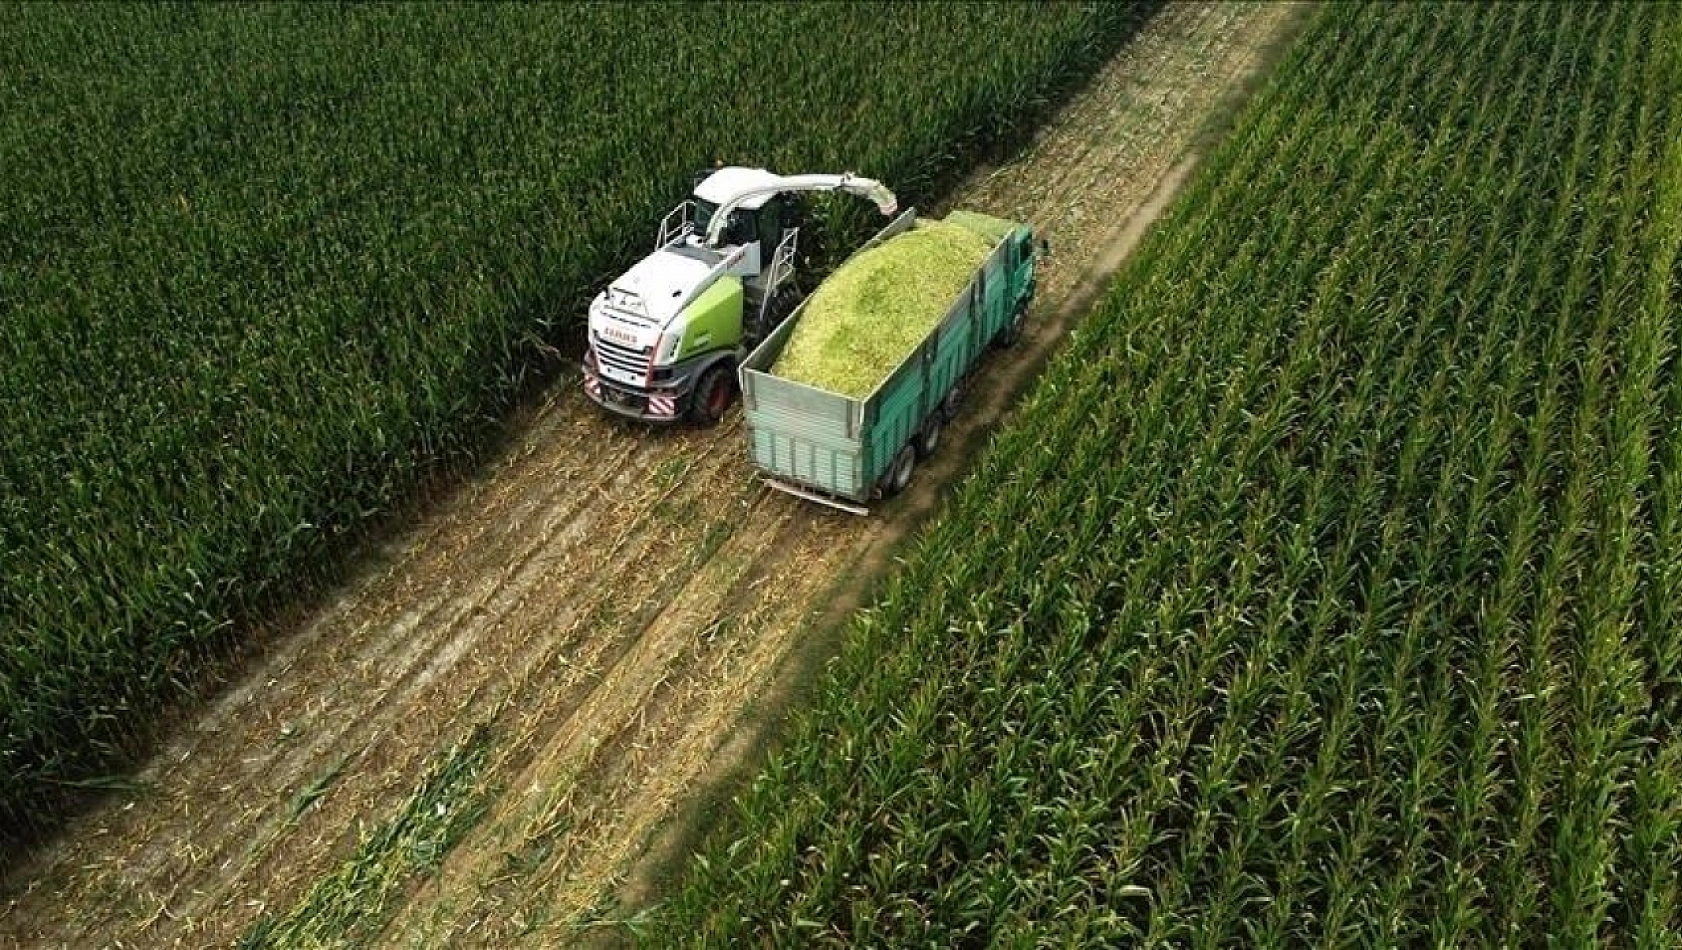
[(678, 224), (782, 267)]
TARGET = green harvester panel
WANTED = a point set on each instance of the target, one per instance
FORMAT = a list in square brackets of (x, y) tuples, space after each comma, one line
[(842, 447)]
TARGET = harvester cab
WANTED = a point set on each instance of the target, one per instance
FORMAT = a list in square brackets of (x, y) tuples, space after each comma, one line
[(665, 336)]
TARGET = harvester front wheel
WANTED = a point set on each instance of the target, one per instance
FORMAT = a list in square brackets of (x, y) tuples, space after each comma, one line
[(712, 395)]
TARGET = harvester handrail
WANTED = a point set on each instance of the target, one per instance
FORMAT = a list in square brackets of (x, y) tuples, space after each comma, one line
[(685, 213)]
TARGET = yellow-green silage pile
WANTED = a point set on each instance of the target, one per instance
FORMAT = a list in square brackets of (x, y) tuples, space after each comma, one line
[(877, 307)]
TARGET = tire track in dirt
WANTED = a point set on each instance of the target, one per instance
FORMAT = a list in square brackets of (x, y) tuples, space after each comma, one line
[(688, 657), (477, 618), (601, 741), (563, 598), (565, 647), (395, 650)]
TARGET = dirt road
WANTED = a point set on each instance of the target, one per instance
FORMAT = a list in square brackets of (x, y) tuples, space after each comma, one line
[(610, 605)]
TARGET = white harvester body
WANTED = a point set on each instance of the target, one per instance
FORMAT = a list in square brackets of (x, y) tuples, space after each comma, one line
[(667, 334)]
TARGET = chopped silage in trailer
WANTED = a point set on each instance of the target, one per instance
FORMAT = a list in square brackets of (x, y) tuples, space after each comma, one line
[(879, 306)]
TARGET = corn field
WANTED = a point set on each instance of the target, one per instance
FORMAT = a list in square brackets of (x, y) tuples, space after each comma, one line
[(266, 268), (1327, 589)]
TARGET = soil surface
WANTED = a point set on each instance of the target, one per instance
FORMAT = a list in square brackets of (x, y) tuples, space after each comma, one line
[(613, 605)]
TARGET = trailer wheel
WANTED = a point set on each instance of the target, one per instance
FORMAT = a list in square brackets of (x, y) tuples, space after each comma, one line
[(712, 394), (899, 476), (929, 439), (954, 399), (1012, 331)]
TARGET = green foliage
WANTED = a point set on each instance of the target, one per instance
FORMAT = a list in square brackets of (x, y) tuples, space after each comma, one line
[(1326, 589), (263, 267)]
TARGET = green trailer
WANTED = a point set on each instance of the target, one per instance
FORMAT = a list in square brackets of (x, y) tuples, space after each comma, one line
[(846, 452)]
